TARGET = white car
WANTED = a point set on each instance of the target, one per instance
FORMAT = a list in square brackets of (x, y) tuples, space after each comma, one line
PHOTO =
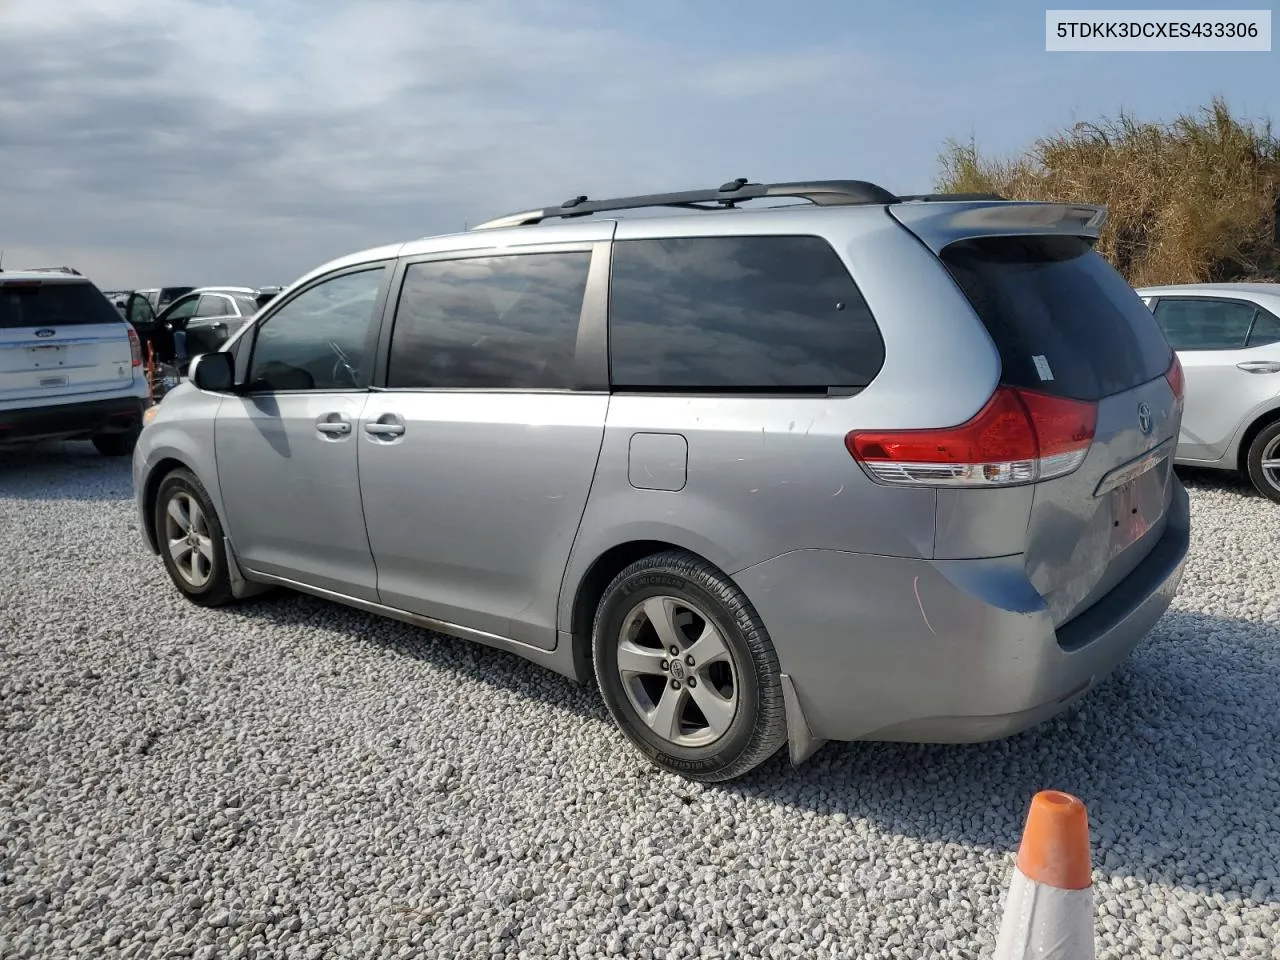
[(1227, 336), (70, 364)]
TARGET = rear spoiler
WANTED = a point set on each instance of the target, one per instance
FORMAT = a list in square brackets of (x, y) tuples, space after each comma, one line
[(939, 224)]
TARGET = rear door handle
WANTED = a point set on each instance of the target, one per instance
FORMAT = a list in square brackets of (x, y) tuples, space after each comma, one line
[(334, 425), (1260, 366), (387, 425)]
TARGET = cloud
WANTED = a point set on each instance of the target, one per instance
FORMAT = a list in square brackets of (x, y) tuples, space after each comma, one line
[(182, 141)]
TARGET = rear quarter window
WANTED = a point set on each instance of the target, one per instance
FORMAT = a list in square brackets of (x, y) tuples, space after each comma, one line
[(738, 314), (40, 304), (1064, 321)]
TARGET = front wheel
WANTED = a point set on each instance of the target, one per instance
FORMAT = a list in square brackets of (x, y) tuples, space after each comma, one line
[(190, 538), (687, 669), (1264, 462)]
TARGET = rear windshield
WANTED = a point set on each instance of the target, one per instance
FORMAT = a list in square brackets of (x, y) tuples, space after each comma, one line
[(39, 304), (1064, 321)]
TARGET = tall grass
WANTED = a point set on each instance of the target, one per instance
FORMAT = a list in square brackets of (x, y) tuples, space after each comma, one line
[(1190, 201)]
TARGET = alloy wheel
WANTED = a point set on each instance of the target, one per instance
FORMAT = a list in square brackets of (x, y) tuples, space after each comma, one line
[(187, 536), (1270, 464), (677, 671)]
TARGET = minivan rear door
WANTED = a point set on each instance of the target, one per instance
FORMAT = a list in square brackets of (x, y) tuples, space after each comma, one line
[(1067, 324), (60, 338)]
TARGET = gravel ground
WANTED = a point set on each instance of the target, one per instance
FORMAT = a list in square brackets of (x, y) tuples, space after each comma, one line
[(294, 779)]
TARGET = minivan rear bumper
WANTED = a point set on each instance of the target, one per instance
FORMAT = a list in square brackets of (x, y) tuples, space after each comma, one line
[(68, 421), (948, 651)]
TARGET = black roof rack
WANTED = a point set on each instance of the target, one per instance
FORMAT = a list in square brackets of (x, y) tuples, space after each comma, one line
[(822, 193), (954, 197)]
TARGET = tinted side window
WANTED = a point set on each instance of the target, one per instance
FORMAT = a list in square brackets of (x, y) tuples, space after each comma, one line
[(213, 306), (1205, 324), (247, 305), (1266, 329), (489, 322), (738, 313), (182, 309), (140, 311), (317, 340), (1064, 321)]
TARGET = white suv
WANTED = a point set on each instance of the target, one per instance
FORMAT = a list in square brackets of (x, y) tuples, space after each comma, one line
[(70, 365)]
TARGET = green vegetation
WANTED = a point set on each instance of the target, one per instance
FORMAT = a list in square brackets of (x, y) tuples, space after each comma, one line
[(1190, 201)]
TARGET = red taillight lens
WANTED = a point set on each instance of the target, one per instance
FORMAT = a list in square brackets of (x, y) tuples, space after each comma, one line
[(1020, 436), (1176, 382), (135, 348)]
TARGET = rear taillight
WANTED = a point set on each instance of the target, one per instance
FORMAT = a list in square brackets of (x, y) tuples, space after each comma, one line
[(1020, 436), (135, 348), (1176, 382)]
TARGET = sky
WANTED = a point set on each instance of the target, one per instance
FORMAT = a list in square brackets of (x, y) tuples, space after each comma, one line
[(245, 142)]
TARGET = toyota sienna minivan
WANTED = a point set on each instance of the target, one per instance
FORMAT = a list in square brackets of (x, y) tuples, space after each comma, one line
[(782, 464)]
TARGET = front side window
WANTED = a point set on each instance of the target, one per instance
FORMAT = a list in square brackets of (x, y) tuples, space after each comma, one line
[(318, 340), (761, 313), (182, 309), (140, 311), (489, 323), (1205, 324)]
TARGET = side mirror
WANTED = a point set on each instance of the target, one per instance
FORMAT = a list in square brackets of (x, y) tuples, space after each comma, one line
[(215, 372)]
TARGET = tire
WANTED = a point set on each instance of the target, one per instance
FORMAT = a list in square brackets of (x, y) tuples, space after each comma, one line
[(1266, 448), (116, 444), (690, 595), (208, 583)]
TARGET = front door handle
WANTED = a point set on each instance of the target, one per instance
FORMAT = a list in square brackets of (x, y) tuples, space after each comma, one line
[(334, 425), (1260, 366), (387, 425)]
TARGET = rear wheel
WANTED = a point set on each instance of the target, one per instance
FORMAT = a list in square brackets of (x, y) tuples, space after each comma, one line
[(190, 539), (116, 444), (687, 669), (1264, 461)]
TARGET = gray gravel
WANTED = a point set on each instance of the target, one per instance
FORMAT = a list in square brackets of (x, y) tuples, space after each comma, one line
[(294, 779)]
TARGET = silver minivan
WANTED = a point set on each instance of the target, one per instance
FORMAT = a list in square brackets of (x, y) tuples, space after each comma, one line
[(785, 463)]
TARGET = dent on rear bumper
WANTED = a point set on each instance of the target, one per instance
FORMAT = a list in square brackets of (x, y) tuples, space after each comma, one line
[(887, 648)]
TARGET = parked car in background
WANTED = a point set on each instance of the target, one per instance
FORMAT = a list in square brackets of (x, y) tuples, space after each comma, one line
[(197, 322), (866, 467), (1228, 338), (70, 365)]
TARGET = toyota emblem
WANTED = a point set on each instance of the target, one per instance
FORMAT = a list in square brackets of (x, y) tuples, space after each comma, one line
[(1145, 421), (45, 332)]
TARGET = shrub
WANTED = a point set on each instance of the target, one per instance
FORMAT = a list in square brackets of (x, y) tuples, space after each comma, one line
[(1193, 200)]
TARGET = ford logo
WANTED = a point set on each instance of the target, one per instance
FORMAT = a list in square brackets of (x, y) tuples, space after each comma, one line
[(45, 332), (1145, 421)]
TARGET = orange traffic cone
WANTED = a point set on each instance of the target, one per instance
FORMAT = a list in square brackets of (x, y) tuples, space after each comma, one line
[(1048, 913)]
